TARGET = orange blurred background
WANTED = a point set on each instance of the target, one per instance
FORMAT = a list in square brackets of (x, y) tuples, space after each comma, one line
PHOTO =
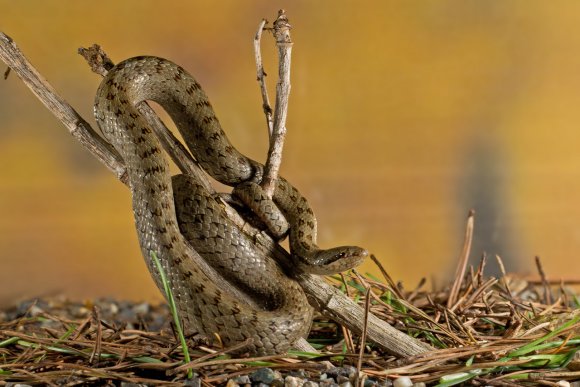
[(403, 116)]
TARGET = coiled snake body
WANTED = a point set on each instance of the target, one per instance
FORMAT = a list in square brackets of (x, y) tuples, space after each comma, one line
[(180, 221)]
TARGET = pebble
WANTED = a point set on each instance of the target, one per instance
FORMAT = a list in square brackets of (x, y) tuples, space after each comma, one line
[(35, 311), (264, 375), (403, 381), (113, 309), (193, 382), (299, 374), (310, 383), (243, 379), (328, 382), (231, 383), (292, 381), (348, 371), (142, 308), (370, 383), (277, 383)]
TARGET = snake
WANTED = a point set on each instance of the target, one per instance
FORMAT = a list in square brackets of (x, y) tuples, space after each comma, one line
[(224, 286)]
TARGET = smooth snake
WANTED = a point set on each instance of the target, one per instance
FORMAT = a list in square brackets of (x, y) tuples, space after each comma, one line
[(179, 220)]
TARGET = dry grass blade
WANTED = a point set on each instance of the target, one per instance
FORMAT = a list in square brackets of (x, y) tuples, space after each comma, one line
[(503, 335), (462, 264)]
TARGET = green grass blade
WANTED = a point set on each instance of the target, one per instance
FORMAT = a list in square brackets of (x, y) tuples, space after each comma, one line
[(9, 341), (173, 309), (454, 379), (534, 344)]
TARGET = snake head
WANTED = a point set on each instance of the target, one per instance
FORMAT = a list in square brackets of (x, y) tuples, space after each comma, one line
[(334, 260)]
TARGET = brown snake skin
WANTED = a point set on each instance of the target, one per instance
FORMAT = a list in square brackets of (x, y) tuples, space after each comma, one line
[(181, 222)]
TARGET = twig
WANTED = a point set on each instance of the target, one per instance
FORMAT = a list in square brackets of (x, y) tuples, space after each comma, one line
[(261, 77), (363, 337), (346, 333), (547, 291), (96, 353), (76, 125), (388, 278), (504, 279), (327, 299), (284, 44), (462, 264)]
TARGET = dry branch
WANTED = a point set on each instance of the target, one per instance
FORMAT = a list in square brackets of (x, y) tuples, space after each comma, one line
[(76, 125), (284, 44)]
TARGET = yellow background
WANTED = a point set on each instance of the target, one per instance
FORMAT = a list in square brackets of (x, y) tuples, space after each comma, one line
[(403, 115)]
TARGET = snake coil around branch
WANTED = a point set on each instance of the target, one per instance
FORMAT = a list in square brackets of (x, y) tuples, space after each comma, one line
[(179, 220)]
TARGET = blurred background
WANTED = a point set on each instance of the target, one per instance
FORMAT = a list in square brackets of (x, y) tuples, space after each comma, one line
[(403, 116)]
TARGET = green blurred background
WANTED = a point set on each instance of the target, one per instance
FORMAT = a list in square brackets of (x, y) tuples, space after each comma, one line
[(403, 116)]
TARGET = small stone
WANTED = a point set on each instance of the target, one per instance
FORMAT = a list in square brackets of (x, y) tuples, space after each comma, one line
[(292, 381), (310, 383), (346, 384), (340, 379), (231, 383), (242, 380), (130, 384), (403, 381), (262, 385), (329, 382), (279, 382), (35, 311), (348, 371), (263, 375), (370, 383), (113, 308), (299, 374), (193, 382), (79, 312), (142, 308)]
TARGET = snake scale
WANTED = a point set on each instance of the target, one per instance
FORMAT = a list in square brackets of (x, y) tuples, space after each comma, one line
[(201, 250)]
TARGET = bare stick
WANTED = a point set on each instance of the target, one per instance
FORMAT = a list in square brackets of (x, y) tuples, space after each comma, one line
[(322, 296), (76, 125), (547, 292), (333, 304), (284, 44), (363, 337), (462, 264), (261, 77)]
